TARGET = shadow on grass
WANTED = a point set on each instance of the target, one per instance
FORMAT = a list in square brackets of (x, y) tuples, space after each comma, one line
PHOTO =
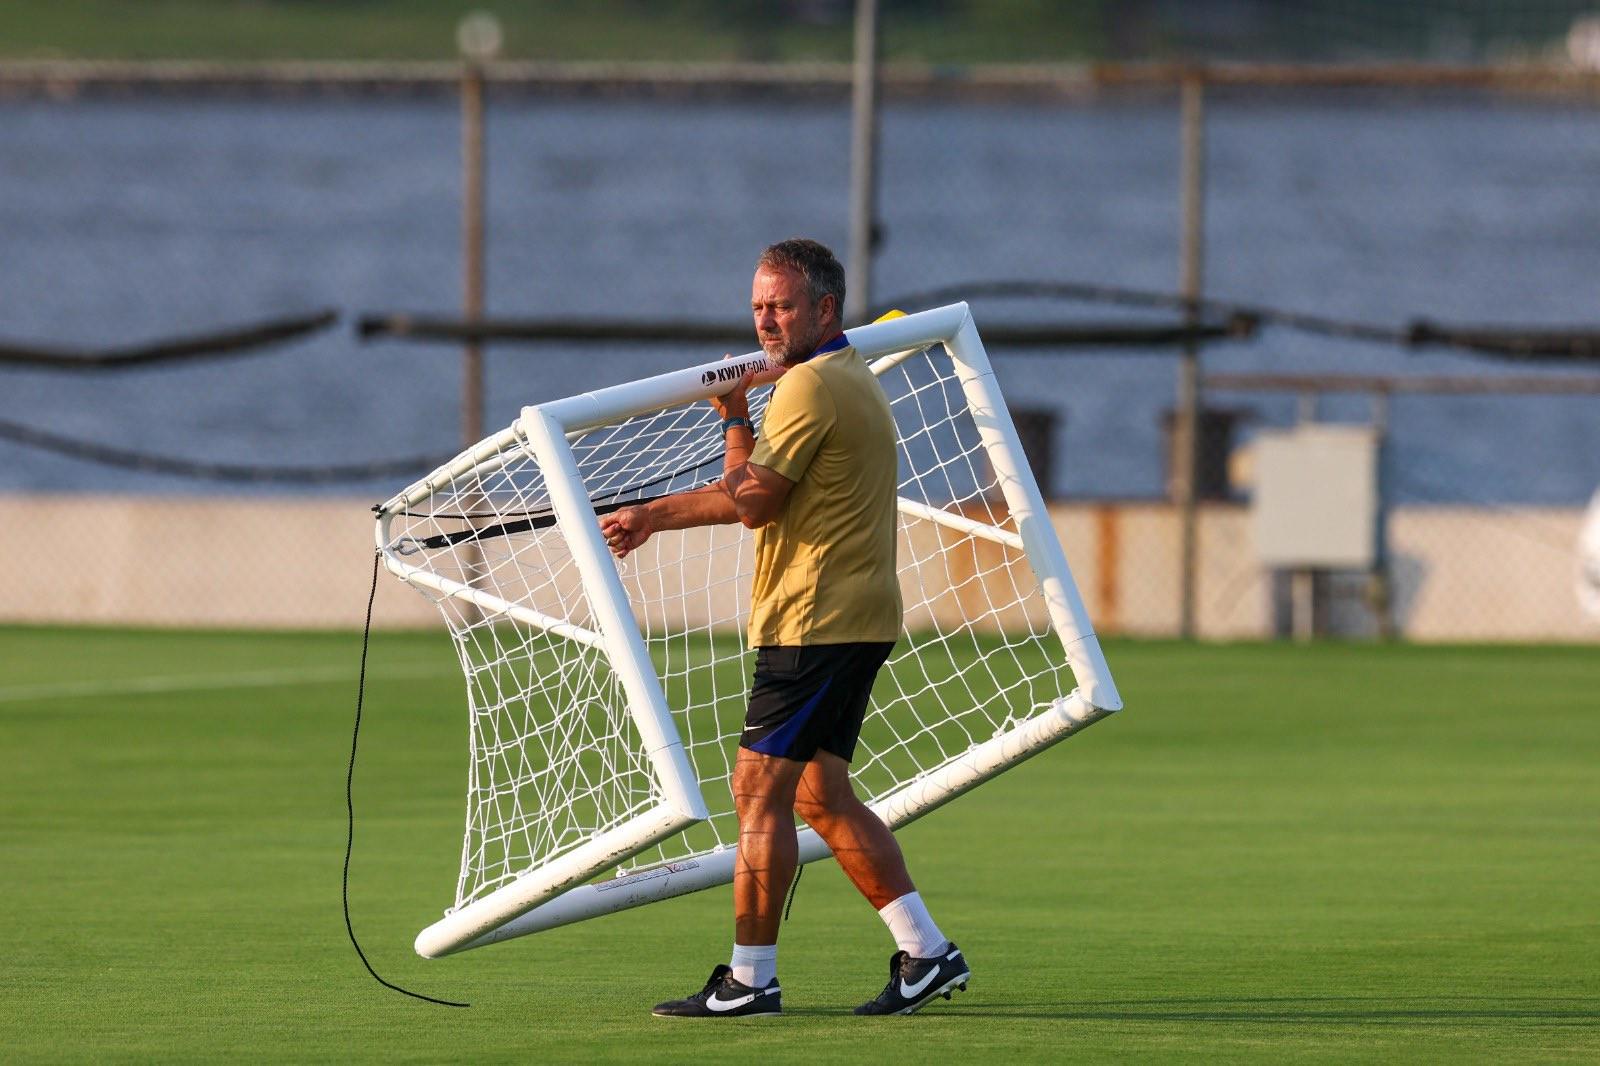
[(1299, 1010)]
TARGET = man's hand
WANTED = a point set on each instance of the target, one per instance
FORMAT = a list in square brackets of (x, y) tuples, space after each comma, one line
[(735, 403), (626, 529)]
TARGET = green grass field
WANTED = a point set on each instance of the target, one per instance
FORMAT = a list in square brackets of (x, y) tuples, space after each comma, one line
[(1330, 852)]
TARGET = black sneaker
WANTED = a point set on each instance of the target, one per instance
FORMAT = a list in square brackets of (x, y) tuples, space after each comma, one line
[(723, 997), (912, 982)]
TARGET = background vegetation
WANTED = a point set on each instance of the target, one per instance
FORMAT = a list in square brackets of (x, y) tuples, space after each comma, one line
[(936, 31), (663, 30)]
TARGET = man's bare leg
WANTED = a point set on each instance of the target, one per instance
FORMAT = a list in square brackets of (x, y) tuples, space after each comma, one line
[(867, 851), (764, 797), (865, 848), (927, 964)]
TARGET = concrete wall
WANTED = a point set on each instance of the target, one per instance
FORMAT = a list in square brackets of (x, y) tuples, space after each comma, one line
[(197, 562), (1467, 574), (1459, 573)]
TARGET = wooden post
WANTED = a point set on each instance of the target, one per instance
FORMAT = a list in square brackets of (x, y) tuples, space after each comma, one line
[(1380, 585), (472, 253), (863, 166), (1191, 260), (1303, 583), (478, 38)]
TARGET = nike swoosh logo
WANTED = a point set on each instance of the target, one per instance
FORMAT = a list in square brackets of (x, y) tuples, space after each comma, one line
[(913, 991), (720, 1005)]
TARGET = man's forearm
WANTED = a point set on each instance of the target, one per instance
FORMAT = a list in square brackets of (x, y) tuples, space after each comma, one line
[(739, 496), (739, 442), (709, 505)]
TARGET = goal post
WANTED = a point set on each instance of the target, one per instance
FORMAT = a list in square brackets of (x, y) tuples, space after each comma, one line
[(1032, 518), (606, 696)]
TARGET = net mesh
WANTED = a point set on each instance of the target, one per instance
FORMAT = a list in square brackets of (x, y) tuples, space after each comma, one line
[(555, 756)]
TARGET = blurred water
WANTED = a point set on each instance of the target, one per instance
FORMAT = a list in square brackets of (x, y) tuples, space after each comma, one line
[(134, 220)]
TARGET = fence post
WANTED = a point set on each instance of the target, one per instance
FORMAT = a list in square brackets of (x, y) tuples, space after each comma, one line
[(478, 36), (1380, 583), (1191, 260), (863, 165)]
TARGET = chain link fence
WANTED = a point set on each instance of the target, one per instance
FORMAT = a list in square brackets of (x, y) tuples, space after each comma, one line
[(1336, 218)]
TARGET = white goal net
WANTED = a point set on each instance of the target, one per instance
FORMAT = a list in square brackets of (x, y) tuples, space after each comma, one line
[(607, 697)]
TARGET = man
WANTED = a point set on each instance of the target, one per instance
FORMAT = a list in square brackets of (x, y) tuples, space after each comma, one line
[(819, 490)]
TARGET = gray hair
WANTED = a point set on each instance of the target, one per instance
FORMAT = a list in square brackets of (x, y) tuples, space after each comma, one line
[(812, 261)]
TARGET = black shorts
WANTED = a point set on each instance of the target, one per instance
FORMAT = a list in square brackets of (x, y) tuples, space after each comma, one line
[(810, 697)]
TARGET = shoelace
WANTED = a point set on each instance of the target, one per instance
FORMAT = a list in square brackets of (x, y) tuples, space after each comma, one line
[(717, 981), (894, 973)]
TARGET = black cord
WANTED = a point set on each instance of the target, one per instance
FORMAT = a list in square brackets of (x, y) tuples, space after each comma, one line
[(540, 520), (350, 804), (793, 887)]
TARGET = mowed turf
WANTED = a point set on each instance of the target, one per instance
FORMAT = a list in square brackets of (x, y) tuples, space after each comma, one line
[(1336, 852)]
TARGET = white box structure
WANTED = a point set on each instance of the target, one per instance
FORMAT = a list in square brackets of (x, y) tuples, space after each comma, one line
[(1316, 497)]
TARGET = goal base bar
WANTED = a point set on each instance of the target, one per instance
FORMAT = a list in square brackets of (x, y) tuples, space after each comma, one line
[(466, 927), (932, 790)]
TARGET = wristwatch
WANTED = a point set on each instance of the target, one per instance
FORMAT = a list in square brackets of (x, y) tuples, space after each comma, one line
[(729, 423)]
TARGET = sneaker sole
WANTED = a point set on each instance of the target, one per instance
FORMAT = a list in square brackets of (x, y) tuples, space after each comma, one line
[(944, 990), (733, 1017)]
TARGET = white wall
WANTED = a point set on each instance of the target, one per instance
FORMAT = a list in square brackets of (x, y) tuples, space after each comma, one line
[(1460, 573)]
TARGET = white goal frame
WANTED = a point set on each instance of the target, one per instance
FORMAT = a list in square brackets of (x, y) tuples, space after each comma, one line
[(559, 892)]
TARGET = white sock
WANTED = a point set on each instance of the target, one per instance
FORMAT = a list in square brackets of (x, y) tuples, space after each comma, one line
[(912, 926), (755, 965)]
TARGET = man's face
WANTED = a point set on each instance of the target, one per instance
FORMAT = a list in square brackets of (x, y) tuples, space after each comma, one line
[(788, 323)]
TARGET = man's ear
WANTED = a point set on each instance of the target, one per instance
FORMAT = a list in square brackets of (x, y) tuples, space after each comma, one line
[(830, 305)]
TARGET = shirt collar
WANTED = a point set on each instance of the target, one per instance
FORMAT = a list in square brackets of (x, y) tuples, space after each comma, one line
[(839, 341)]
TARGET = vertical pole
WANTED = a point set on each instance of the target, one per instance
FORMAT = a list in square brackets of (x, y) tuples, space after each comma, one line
[(1303, 597), (1380, 585), (608, 600), (478, 38), (472, 197), (1187, 423), (1303, 579), (863, 165)]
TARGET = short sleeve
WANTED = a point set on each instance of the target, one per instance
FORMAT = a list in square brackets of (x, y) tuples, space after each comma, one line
[(799, 415)]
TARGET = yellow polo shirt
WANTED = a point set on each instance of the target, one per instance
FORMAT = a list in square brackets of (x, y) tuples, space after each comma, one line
[(825, 569)]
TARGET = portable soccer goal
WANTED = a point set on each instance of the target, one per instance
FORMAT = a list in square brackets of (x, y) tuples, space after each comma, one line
[(606, 697)]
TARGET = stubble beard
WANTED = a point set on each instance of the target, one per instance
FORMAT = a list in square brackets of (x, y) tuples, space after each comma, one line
[(796, 351)]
